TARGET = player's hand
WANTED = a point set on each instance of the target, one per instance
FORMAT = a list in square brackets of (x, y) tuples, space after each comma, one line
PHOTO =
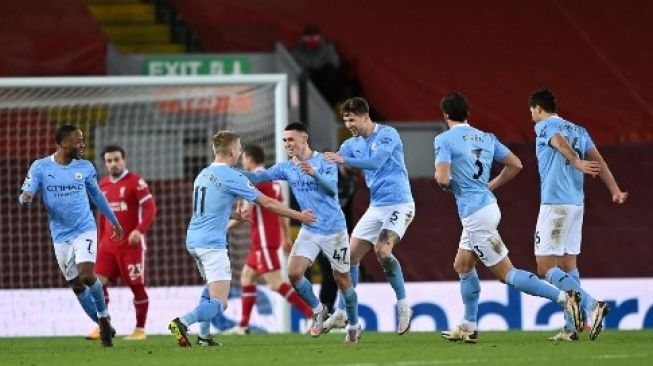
[(306, 168), (242, 216), (307, 217), (25, 198), (332, 157), (589, 167), (620, 197), (117, 233), (246, 212), (135, 237)]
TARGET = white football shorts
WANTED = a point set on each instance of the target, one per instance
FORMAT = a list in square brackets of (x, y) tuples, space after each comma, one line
[(559, 230), (481, 236), (395, 218), (213, 264), (81, 249), (334, 246)]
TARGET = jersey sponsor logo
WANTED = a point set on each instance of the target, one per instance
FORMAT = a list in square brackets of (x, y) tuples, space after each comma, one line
[(118, 206), (79, 175), (65, 188), (141, 185)]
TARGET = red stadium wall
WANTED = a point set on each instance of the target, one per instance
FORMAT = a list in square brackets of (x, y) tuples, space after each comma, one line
[(616, 239), (594, 54), (49, 38)]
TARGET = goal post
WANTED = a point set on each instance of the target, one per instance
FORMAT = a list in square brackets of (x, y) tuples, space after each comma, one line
[(165, 124)]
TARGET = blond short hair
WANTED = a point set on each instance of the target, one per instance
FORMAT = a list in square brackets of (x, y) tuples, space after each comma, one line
[(223, 141)]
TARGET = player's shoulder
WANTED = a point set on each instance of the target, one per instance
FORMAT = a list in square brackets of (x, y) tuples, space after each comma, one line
[(44, 161), (387, 130)]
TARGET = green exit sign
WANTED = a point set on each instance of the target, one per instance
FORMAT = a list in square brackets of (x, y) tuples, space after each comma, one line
[(195, 65)]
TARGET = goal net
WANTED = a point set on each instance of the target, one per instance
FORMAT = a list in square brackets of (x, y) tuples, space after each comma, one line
[(165, 125)]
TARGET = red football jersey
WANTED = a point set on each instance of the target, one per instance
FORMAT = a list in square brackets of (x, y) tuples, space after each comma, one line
[(266, 229), (130, 199)]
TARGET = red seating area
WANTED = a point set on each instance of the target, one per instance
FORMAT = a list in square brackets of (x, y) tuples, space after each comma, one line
[(49, 38), (595, 55)]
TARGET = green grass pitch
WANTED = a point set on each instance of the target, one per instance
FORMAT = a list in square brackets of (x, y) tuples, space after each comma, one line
[(412, 349)]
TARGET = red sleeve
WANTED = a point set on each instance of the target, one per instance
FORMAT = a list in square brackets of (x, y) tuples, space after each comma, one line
[(146, 204)]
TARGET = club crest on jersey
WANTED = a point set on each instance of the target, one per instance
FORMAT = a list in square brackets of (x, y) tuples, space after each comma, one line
[(373, 146), (79, 175)]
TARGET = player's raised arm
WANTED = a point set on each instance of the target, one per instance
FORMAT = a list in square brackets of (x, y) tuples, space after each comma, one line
[(618, 196), (306, 217)]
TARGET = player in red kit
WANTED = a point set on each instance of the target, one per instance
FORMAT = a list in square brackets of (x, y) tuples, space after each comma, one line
[(130, 199), (268, 233)]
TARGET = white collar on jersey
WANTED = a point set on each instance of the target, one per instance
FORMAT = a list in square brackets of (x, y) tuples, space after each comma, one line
[(114, 180), (54, 161), (464, 124), (219, 164), (259, 168)]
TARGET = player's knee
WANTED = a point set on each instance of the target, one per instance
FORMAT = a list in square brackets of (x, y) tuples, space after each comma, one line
[(87, 279), (383, 253), (295, 276), (77, 286)]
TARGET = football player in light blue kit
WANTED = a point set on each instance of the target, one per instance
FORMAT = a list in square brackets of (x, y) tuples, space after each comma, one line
[(314, 182), (377, 150), (463, 161), (561, 148), (215, 190), (66, 182)]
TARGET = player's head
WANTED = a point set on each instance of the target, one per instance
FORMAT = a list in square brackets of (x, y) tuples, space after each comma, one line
[(542, 103), (295, 139), (114, 160), (356, 115), (253, 156), (70, 140), (226, 145), (455, 107)]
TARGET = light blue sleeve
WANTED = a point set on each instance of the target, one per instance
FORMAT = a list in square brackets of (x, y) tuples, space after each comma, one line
[(32, 182), (372, 163), (442, 150), (274, 172), (327, 177), (98, 198), (589, 143), (500, 150), (345, 148), (240, 186)]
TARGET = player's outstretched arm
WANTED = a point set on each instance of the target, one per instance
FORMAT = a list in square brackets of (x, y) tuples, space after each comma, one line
[(443, 175), (306, 216), (257, 177), (586, 166), (511, 167), (618, 196)]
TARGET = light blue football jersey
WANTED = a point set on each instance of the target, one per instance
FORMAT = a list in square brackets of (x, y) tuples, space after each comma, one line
[(215, 190), (470, 152), (308, 193), (65, 190), (560, 182), (389, 184)]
